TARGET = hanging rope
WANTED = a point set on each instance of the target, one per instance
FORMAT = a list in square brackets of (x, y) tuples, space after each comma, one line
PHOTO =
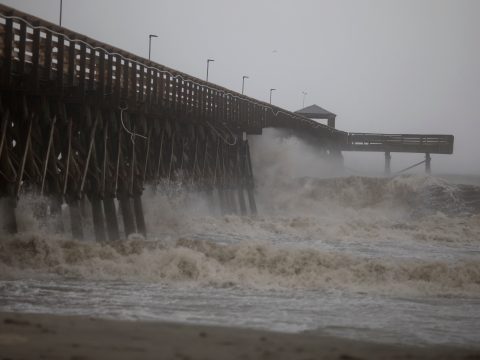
[(224, 138), (132, 133)]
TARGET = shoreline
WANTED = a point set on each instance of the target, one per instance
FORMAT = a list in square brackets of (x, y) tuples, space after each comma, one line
[(36, 336)]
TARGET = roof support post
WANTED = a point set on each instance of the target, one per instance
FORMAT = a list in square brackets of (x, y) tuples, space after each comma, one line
[(388, 159), (428, 163)]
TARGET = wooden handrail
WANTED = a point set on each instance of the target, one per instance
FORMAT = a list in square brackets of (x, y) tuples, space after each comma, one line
[(91, 64)]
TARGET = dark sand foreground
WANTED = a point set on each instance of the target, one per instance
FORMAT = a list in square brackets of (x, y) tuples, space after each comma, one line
[(25, 336)]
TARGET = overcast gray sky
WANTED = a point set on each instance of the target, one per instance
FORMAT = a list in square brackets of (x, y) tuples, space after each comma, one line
[(403, 66)]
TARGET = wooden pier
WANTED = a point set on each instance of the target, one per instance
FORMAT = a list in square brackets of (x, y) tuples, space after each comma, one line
[(404, 143), (81, 119)]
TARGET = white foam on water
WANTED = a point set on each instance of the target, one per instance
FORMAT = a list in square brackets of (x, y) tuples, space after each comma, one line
[(408, 237)]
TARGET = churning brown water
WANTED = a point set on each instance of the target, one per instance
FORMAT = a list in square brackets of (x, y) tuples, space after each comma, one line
[(394, 259)]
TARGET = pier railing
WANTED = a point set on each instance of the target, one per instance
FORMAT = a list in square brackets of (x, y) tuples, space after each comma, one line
[(433, 144), (39, 56)]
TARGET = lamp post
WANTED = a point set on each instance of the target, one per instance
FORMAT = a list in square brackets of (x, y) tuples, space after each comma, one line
[(271, 90), (150, 44), (61, 10), (243, 82), (304, 96), (208, 65)]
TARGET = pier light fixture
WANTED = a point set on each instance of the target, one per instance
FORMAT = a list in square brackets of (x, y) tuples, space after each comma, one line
[(243, 82), (208, 65), (271, 90), (61, 10), (150, 45), (304, 97)]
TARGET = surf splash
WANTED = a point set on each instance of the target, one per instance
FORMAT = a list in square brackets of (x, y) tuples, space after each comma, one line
[(261, 264), (402, 235)]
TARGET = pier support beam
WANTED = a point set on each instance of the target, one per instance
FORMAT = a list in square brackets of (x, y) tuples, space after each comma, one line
[(139, 217), (210, 200), (251, 200), (232, 203), (7, 212), (76, 219), (111, 219), (222, 201), (127, 214), (428, 163), (388, 159), (98, 219), (241, 201), (55, 205)]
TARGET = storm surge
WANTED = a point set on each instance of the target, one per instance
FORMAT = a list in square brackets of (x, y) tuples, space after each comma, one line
[(361, 234), (390, 259)]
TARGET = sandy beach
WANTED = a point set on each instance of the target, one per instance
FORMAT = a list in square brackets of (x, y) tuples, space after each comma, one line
[(28, 336)]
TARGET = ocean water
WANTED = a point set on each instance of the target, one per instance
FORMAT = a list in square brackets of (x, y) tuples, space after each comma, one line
[(380, 259)]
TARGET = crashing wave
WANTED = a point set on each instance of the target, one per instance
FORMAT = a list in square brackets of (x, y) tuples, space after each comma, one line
[(257, 265)]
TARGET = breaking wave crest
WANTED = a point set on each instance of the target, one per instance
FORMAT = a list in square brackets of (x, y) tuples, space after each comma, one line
[(420, 194), (257, 265)]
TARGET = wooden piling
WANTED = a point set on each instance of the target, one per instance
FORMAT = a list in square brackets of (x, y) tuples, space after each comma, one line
[(76, 219), (250, 180), (98, 219), (428, 163), (388, 159), (8, 221), (222, 201), (55, 205), (111, 219), (251, 201), (241, 201), (127, 214), (232, 202), (210, 200), (139, 217)]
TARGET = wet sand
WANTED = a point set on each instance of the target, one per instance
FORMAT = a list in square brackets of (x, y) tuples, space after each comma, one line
[(27, 336)]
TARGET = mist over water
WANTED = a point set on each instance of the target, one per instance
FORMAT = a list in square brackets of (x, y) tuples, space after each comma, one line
[(391, 259)]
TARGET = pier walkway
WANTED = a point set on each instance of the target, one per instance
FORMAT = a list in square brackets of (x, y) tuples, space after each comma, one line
[(80, 119)]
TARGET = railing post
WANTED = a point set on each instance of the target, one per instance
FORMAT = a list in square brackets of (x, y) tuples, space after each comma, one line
[(118, 78), (428, 163), (71, 63), (22, 48), (8, 52), (48, 55), (35, 76), (141, 82), (60, 62), (126, 80), (92, 66), (108, 90), (148, 88), (83, 69)]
